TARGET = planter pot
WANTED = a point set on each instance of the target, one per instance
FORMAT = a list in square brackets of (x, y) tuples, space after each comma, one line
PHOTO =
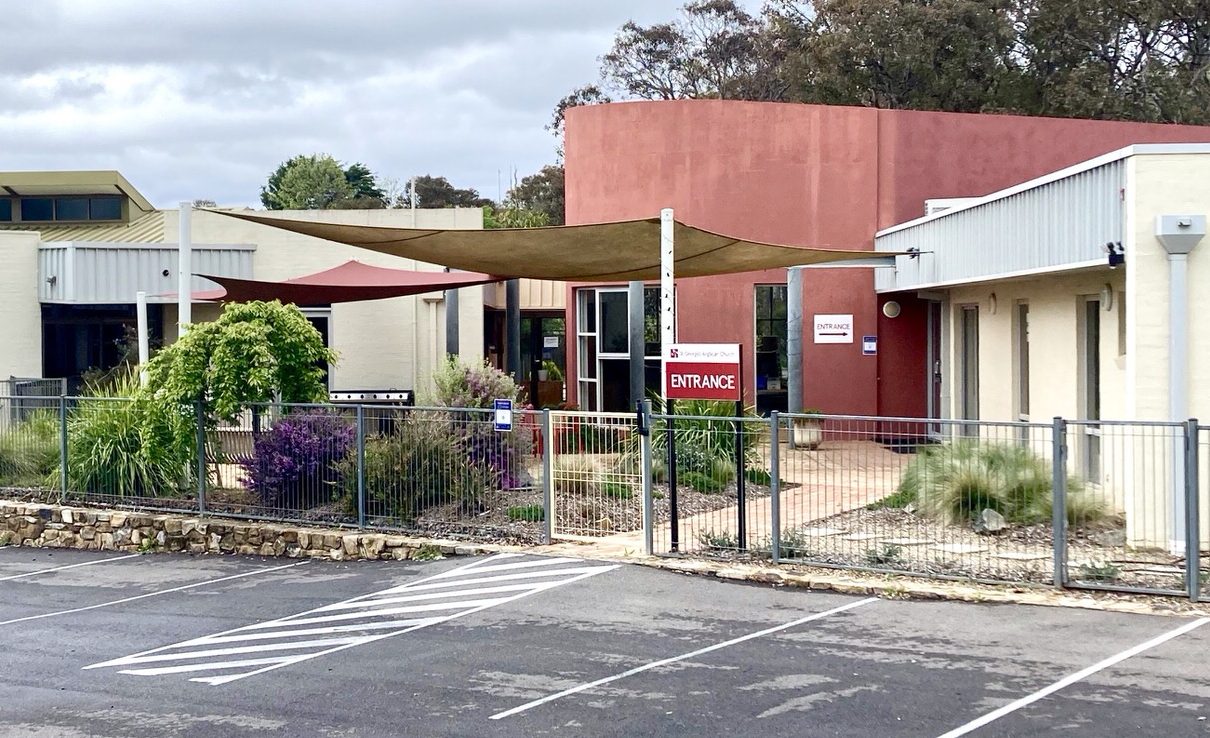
[(542, 375), (807, 433)]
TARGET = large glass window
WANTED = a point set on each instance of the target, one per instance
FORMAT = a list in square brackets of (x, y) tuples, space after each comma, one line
[(603, 351), (37, 208), (772, 365), (615, 325), (6, 209)]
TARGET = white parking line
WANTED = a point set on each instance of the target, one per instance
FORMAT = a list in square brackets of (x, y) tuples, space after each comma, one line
[(150, 594), (682, 657), (69, 566), (377, 613), (1073, 678)]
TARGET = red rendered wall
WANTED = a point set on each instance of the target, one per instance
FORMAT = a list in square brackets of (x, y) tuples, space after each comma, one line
[(813, 176)]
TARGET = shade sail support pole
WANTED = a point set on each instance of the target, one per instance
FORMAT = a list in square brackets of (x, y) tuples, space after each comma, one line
[(184, 299), (512, 324), (637, 341), (140, 301), (667, 295)]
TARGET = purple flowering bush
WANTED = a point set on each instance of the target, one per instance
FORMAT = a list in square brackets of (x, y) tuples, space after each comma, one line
[(296, 464), (502, 455)]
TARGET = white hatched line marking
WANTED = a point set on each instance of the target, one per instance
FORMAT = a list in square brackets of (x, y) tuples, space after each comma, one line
[(514, 565), (151, 594), (426, 596), (431, 607), (206, 667), (310, 631), (69, 566), (454, 588)]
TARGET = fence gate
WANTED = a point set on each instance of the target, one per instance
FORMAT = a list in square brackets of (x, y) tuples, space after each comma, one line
[(596, 475)]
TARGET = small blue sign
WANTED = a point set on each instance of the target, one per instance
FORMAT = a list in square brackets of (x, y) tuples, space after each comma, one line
[(869, 345), (504, 415)]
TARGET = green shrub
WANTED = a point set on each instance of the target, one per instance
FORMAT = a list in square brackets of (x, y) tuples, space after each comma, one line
[(29, 451), (527, 513), (417, 466), (1098, 571), (954, 483), (897, 500), (617, 490), (707, 437), (717, 541), (759, 476), (575, 475), (130, 445), (703, 483), (885, 555)]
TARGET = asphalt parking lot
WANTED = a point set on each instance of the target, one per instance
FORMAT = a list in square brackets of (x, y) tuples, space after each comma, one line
[(111, 645)]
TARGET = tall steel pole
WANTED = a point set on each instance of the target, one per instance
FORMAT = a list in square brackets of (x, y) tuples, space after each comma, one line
[(184, 299)]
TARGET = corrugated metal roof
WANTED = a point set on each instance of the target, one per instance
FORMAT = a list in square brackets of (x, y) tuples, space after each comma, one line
[(148, 229), (1051, 224)]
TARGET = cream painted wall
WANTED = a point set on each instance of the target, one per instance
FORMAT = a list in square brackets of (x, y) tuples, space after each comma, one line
[(393, 343), (1168, 184), (1055, 309), (21, 318)]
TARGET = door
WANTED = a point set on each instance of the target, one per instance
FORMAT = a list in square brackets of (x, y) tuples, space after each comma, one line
[(1090, 387), (970, 363), (933, 366)]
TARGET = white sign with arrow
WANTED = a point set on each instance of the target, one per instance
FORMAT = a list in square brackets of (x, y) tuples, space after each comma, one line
[(833, 329)]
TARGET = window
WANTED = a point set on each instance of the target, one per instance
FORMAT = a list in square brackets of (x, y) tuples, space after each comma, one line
[(970, 364), (6, 209), (71, 208), (37, 208), (42, 209), (772, 366), (603, 346), (1022, 359)]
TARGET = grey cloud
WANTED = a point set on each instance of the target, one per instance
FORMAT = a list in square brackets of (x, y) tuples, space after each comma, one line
[(194, 100)]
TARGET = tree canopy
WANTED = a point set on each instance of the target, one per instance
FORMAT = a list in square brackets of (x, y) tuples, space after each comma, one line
[(1146, 60), (319, 182), (541, 193), (255, 352)]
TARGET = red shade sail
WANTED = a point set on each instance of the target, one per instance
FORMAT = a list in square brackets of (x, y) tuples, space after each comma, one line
[(352, 281)]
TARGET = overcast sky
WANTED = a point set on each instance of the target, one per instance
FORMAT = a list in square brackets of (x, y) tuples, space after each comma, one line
[(202, 100)]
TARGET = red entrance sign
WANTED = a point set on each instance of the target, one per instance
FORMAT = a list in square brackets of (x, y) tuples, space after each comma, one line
[(702, 371)]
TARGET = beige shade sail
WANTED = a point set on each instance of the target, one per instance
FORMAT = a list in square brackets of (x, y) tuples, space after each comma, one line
[(602, 252)]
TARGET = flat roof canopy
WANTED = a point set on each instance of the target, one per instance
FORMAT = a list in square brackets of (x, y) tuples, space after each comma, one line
[(602, 252), (352, 281)]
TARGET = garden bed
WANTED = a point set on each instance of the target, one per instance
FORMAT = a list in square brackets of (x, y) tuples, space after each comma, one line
[(898, 539)]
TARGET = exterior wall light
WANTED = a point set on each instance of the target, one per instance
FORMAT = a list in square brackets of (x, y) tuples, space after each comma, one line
[(891, 309)]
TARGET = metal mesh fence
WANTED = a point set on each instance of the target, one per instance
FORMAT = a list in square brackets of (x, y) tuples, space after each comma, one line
[(1124, 503), (29, 443), (1203, 498), (941, 498), (712, 491), (596, 474), (945, 498)]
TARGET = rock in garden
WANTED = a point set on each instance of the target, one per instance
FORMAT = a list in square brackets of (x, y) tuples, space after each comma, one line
[(990, 521)]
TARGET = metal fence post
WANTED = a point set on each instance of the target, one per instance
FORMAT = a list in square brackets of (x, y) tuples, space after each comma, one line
[(648, 500), (361, 466), (201, 457), (674, 525), (774, 486), (548, 482), (741, 538), (1059, 500), (62, 447), (1193, 523)]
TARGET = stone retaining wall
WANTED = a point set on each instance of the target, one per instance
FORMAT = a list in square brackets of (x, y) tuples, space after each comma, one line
[(58, 526)]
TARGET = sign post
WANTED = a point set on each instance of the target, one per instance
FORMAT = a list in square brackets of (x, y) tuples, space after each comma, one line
[(707, 371)]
